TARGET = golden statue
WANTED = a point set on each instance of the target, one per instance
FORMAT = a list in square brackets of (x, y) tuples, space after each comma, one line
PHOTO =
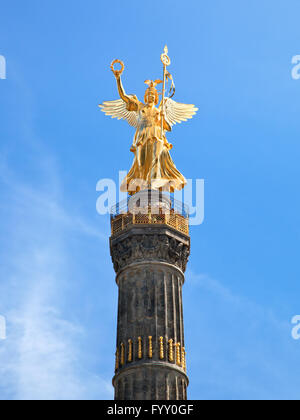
[(153, 167)]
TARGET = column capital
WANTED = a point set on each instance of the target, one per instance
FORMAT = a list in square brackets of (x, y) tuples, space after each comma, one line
[(147, 243)]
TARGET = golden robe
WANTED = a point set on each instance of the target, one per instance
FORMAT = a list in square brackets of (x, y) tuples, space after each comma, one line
[(152, 166)]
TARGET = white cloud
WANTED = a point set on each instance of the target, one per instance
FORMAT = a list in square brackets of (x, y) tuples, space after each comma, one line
[(41, 357), (242, 349)]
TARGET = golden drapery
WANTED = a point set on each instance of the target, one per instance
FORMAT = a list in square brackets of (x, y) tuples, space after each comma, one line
[(152, 166)]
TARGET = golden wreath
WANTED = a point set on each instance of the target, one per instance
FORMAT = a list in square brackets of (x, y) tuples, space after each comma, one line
[(117, 71)]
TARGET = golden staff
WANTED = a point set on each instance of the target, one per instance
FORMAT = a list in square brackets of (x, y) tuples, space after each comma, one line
[(165, 59)]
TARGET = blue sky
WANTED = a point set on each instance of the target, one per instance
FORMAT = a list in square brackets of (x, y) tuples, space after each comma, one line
[(57, 291)]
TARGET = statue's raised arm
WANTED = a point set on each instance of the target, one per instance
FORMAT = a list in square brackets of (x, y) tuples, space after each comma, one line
[(125, 108)]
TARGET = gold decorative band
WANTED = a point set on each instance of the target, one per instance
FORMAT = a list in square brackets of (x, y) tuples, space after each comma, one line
[(124, 221), (174, 351), (122, 354), (171, 353), (129, 350), (178, 354), (117, 359), (150, 347), (161, 348), (140, 354), (183, 358)]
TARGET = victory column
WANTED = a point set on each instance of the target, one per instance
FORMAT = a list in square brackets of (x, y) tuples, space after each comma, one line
[(150, 246)]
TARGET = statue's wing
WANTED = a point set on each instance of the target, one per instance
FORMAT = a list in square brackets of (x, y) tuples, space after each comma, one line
[(118, 109), (176, 112)]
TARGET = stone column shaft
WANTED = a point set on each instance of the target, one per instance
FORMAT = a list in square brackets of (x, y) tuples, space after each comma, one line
[(150, 358)]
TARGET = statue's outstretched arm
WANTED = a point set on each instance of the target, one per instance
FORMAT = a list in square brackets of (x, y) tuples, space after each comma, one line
[(122, 90), (131, 101)]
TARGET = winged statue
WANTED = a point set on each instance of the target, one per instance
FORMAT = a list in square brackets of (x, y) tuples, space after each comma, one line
[(153, 167)]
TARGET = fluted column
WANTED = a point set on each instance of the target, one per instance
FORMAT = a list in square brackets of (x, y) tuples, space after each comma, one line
[(150, 355)]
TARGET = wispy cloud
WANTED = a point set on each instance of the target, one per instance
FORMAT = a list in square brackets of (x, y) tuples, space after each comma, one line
[(41, 357), (243, 349)]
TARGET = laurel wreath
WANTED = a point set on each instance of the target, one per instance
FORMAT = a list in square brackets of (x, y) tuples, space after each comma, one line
[(117, 62)]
